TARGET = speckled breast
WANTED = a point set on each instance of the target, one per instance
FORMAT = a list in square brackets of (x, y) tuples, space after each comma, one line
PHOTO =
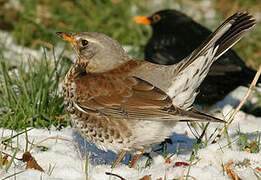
[(106, 133)]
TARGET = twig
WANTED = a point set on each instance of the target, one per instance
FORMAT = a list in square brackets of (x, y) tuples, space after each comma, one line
[(10, 155), (182, 175), (4, 141), (250, 89), (58, 138), (116, 175)]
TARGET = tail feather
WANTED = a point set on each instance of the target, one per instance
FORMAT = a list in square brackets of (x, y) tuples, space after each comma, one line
[(241, 25), (194, 115), (191, 71), (226, 35)]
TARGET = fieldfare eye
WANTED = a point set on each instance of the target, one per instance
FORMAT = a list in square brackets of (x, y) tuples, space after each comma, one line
[(84, 42)]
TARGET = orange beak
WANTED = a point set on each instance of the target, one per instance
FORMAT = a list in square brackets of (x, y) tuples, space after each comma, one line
[(66, 36), (142, 20)]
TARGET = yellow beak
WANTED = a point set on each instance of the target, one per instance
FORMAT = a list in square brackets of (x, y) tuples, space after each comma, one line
[(66, 36), (142, 20)]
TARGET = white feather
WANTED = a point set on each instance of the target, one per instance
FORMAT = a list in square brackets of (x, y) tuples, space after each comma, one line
[(187, 79)]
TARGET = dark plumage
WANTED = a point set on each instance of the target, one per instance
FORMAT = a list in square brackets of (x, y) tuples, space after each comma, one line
[(175, 36)]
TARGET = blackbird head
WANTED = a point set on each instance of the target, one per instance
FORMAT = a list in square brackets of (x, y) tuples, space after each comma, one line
[(165, 16)]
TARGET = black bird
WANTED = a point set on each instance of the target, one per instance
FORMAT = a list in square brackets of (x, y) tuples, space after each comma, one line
[(175, 35)]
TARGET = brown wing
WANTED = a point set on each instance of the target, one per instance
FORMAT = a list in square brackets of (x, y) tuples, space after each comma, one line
[(129, 98)]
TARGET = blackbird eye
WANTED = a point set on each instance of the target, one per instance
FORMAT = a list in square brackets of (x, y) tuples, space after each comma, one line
[(156, 18), (84, 42)]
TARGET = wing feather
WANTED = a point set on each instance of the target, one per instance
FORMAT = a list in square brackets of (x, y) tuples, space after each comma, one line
[(129, 98)]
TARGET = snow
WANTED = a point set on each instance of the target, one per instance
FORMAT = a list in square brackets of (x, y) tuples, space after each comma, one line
[(65, 160)]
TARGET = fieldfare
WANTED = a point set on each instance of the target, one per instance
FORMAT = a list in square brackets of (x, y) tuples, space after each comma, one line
[(122, 104)]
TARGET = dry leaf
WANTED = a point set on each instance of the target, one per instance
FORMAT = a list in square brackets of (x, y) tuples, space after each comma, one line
[(31, 162), (147, 177), (247, 150), (177, 164), (61, 117), (230, 172), (168, 160), (4, 160), (258, 168)]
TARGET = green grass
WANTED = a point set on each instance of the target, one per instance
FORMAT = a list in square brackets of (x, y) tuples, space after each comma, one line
[(252, 146), (257, 174), (39, 20), (29, 94)]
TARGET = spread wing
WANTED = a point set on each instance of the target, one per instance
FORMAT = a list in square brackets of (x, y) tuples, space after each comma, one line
[(129, 98)]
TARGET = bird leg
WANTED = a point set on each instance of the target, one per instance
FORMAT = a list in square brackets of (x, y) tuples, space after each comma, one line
[(136, 157), (119, 158)]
